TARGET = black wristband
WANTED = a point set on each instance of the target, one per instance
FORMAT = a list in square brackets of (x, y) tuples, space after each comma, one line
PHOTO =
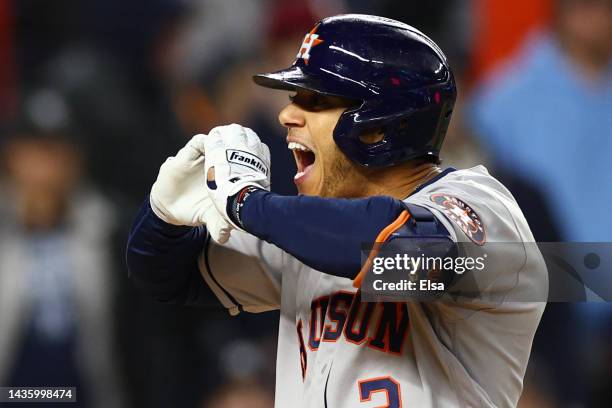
[(236, 202)]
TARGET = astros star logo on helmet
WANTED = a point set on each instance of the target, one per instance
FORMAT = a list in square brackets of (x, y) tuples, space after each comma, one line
[(310, 40)]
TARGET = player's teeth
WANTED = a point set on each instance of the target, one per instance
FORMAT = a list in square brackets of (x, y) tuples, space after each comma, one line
[(298, 175), (297, 146)]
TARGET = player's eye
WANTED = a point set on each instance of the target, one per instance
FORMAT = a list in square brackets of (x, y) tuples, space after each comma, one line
[(319, 102), (322, 102), (314, 102), (311, 101)]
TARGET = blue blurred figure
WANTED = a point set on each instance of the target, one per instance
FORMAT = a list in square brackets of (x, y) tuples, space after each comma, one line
[(548, 117)]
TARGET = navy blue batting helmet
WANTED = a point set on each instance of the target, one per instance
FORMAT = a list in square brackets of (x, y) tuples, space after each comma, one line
[(401, 77)]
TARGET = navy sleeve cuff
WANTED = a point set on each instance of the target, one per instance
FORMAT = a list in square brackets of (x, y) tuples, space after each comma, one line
[(162, 260)]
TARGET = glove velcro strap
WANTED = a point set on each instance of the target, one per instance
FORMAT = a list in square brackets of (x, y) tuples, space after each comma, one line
[(235, 203)]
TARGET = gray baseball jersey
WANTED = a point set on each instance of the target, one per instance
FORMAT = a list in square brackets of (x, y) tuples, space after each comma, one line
[(336, 351)]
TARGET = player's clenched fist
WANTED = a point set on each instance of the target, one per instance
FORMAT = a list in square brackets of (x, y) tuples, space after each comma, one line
[(179, 195), (235, 158)]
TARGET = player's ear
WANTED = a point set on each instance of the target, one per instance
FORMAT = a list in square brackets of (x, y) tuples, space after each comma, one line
[(372, 136)]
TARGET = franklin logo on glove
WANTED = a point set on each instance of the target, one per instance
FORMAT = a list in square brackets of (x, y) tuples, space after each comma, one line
[(246, 159)]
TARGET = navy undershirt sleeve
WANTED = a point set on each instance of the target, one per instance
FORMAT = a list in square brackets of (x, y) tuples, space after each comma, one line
[(162, 260), (324, 233)]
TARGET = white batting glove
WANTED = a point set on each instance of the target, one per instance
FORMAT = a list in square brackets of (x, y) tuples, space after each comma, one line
[(179, 194), (235, 158)]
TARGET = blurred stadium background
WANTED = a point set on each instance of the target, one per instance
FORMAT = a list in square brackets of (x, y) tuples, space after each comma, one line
[(95, 94)]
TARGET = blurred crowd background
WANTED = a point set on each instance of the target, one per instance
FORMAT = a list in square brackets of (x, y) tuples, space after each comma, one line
[(95, 94)]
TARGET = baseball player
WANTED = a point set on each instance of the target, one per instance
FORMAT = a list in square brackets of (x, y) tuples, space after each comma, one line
[(371, 101)]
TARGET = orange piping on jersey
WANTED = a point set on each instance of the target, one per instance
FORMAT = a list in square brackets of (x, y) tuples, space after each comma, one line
[(380, 239)]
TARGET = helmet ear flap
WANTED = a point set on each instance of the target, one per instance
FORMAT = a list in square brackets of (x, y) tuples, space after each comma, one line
[(371, 138)]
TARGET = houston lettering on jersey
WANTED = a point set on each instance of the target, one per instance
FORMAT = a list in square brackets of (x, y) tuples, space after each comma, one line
[(342, 316)]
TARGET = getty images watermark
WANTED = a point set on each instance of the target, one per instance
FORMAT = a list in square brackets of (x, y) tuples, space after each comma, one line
[(488, 274), (423, 273)]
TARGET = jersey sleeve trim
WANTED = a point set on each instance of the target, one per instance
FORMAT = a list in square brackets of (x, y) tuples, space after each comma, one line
[(234, 290), (226, 299), (382, 237)]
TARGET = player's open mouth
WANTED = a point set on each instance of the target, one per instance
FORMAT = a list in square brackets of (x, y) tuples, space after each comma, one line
[(304, 159)]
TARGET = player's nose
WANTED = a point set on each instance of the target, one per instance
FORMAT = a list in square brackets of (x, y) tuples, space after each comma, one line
[(292, 116)]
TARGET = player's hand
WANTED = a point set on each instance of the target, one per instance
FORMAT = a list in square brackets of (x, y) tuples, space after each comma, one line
[(235, 159), (179, 195)]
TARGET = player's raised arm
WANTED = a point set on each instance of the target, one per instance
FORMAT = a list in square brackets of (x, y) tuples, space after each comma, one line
[(324, 233), (169, 231), (171, 255)]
